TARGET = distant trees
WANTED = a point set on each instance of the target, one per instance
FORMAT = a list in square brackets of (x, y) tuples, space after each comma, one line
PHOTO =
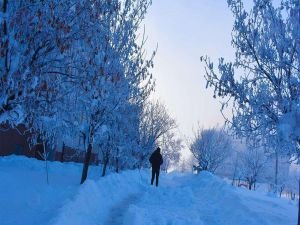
[(156, 124), (253, 162), (210, 147), (171, 147), (216, 151), (131, 141)]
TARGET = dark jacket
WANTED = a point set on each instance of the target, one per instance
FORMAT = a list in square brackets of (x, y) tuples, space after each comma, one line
[(156, 159)]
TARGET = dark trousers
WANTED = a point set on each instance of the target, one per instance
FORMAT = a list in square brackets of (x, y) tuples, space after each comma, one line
[(155, 173)]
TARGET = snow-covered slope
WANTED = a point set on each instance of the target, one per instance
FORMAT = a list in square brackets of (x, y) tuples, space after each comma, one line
[(128, 199)]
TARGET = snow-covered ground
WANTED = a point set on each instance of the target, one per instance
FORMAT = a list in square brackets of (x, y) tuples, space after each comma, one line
[(25, 197), (128, 199)]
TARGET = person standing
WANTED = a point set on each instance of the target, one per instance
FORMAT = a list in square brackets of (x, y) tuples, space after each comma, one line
[(156, 160)]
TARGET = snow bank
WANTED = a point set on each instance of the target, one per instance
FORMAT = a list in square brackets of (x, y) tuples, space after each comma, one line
[(95, 200), (25, 197)]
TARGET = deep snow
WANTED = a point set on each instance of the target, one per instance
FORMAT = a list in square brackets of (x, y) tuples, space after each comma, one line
[(128, 199)]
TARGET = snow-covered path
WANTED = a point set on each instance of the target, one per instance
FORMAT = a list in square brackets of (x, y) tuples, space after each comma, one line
[(128, 198), (181, 199), (206, 199)]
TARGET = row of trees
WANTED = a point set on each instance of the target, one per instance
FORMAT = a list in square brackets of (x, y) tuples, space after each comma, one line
[(262, 84), (77, 70), (245, 164)]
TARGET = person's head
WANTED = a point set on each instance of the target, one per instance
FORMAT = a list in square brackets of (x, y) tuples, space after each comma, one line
[(158, 149)]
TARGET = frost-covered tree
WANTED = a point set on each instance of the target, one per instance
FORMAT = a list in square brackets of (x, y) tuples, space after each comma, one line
[(250, 164), (10, 111), (253, 161), (77, 63), (116, 71), (262, 84), (155, 122), (118, 140), (171, 147), (278, 181), (210, 147), (35, 41)]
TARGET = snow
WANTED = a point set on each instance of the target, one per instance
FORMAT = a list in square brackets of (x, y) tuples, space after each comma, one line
[(128, 199), (25, 197), (208, 200)]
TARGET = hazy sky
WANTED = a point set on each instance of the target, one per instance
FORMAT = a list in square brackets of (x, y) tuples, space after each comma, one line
[(184, 30)]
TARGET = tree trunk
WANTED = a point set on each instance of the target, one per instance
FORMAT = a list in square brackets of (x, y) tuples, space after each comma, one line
[(281, 191), (105, 163), (250, 183), (299, 203), (62, 153), (46, 161), (117, 161), (117, 165), (234, 172), (86, 163), (276, 170), (4, 10), (4, 30)]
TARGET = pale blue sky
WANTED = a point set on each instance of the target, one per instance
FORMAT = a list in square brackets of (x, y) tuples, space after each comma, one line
[(185, 30)]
